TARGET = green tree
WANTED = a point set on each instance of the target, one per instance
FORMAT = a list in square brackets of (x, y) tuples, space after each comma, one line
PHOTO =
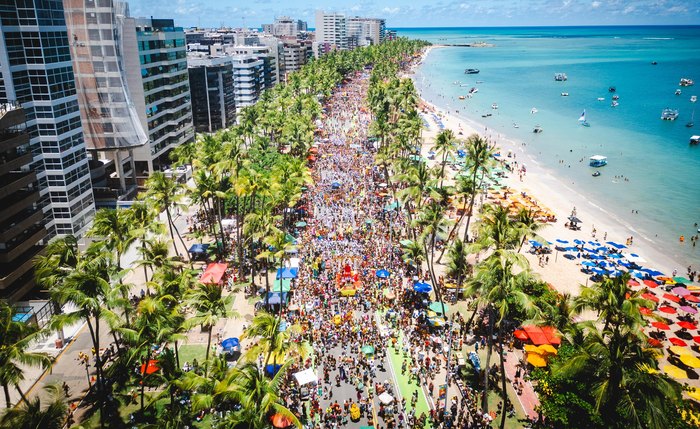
[(32, 415), (166, 194)]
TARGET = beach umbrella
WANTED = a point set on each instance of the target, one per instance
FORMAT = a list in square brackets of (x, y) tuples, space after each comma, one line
[(437, 307), (230, 343), (677, 342), (694, 393), (616, 245), (675, 372), (577, 241), (535, 243), (665, 279), (632, 283), (520, 334), (697, 339), (335, 185), (633, 257), (680, 291), (150, 368), (382, 274), (368, 350), (531, 348), (422, 287), (680, 351), (588, 264), (280, 421), (650, 297), (650, 283), (660, 325), (537, 360), (688, 309), (559, 240), (645, 311), (687, 325), (569, 256), (637, 274), (691, 298), (548, 349), (670, 297), (300, 224), (574, 219), (667, 310), (599, 271), (436, 322), (654, 342), (681, 280)]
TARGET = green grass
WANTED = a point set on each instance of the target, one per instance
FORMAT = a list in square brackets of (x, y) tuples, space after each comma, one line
[(404, 386), (188, 352)]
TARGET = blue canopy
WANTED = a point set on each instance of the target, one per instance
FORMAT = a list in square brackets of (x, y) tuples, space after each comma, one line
[(637, 274), (230, 343), (274, 299), (615, 273), (422, 287), (598, 270), (577, 241), (535, 243), (383, 274), (588, 264), (198, 248), (616, 245), (461, 153), (569, 256), (596, 257), (559, 240), (335, 185), (653, 273), (287, 273), (271, 369)]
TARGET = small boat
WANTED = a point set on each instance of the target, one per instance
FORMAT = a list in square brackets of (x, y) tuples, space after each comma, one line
[(564, 94), (582, 119), (486, 115), (678, 92), (494, 106), (515, 125), (560, 77), (669, 114), (537, 129), (479, 81), (612, 89), (694, 140), (614, 104), (693, 98), (463, 85), (598, 161), (596, 173), (615, 97), (653, 63), (473, 90), (533, 110), (686, 82), (601, 99), (461, 97), (471, 71)]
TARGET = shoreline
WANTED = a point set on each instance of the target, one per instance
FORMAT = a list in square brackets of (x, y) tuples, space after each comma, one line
[(550, 189)]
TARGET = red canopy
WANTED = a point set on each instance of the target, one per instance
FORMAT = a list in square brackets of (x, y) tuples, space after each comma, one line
[(542, 335), (691, 298), (669, 310), (151, 367), (660, 325), (520, 334), (213, 274), (645, 311), (670, 297), (650, 283), (697, 339), (654, 342), (678, 342), (650, 297), (687, 325), (632, 283)]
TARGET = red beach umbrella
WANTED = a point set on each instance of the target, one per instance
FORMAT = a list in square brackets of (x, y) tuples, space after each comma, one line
[(670, 297), (151, 367), (687, 325), (697, 339), (650, 297), (678, 342), (650, 283), (654, 342), (645, 311), (661, 325), (692, 298), (668, 310), (521, 335)]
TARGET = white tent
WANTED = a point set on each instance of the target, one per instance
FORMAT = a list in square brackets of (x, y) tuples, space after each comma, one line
[(386, 398), (306, 376), (293, 262)]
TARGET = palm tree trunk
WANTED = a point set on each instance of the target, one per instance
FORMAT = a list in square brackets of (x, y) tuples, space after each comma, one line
[(221, 228), (206, 358), (503, 378), (8, 401), (450, 235), (170, 226), (94, 334), (177, 355), (489, 350), (21, 394)]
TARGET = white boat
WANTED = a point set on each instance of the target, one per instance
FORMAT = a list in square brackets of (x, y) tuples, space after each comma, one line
[(461, 97), (614, 104), (533, 110), (474, 90), (494, 106), (560, 77), (537, 129), (515, 125), (598, 161), (694, 140), (693, 98), (686, 82), (582, 119), (669, 114), (601, 99), (678, 92), (615, 97), (564, 94)]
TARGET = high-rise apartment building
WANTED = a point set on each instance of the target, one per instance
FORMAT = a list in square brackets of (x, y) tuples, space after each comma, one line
[(365, 31), (249, 79), (155, 63), (331, 32), (285, 26), (111, 124), (37, 73), (213, 96)]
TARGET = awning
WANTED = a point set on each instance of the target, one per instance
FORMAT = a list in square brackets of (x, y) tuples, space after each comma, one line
[(214, 273), (542, 335), (306, 376), (385, 398), (281, 285), (287, 273), (198, 248)]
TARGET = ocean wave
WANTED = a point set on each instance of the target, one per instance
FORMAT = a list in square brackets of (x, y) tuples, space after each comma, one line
[(658, 38)]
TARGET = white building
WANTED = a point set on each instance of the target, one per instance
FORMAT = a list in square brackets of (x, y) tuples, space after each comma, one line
[(365, 31), (285, 26), (331, 32)]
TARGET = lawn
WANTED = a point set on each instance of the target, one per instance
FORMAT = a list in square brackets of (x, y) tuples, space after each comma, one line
[(189, 352)]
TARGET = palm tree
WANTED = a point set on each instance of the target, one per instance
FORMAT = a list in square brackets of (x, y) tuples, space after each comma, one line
[(210, 304), (528, 224), (278, 248), (143, 219), (15, 339), (457, 266), (166, 194), (272, 341), (414, 254), (444, 146), (480, 156), (31, 414)]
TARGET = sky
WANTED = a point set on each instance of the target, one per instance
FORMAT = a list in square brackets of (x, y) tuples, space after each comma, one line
[(427, 13)]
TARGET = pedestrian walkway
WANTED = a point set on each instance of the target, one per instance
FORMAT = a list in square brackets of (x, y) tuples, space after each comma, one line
[(528, 399)]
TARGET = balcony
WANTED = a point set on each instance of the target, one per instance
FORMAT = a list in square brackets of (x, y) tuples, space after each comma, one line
[(17, 202), (11, 114), (12, 139), (14, 162), (20, 266), (14, 182), (19, 223), (22, 244)]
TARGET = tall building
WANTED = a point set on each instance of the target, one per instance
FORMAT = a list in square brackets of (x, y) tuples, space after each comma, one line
[(331, 32), (296, 53), (111, 124), (37, 73), (365, 31), (285, 26), (21, 218), (213, 96), (248, 79)]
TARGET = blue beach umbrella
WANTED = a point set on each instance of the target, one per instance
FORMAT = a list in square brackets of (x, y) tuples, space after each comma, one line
[(535, 243), (588, 264), (335, 185), (383, 274), (230, 344), (422, 287), (559, 240), (616, 245), (577, 241), (653, 273), (598, 270), (569, 256), (287, 273)]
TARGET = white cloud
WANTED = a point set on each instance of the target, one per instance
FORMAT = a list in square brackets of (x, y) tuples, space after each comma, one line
[(595, 5), (464, 6), (391, 10), (629, 9)]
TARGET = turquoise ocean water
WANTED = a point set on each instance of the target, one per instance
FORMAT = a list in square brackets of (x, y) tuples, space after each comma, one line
[(662, 169)]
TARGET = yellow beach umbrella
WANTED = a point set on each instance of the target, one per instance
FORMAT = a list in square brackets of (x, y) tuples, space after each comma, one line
[(548, 349), (690, 360), (537, 360), (680, 351), (530, 348), (675, 372), (695, 394)]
